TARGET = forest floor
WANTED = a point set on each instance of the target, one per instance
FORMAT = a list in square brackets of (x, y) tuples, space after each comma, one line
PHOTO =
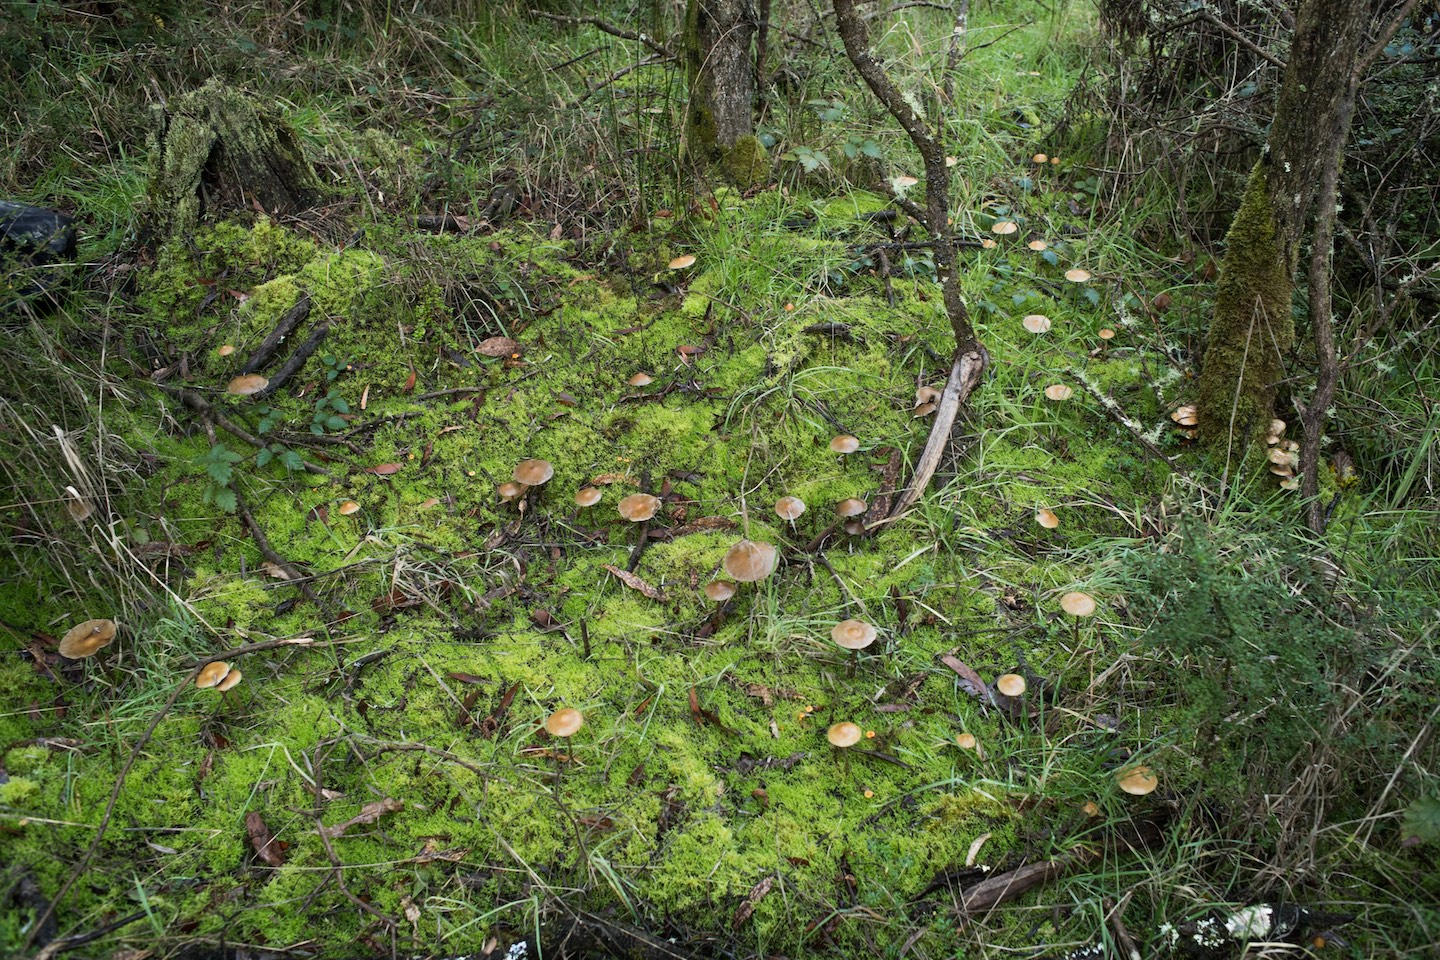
[(381, 779)]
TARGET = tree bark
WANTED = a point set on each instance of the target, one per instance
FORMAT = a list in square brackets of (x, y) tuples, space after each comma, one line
[(1252, 330), (720, 122)]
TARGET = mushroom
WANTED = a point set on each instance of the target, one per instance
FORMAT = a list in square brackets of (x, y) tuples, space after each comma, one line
[(1138, 780), (1036, 323), (247, 385), (532, 473), (927, 399), (211, 674), (230, 679), (683, 261), (1046, 518), (904, 182), (1010, 684), (844, 443), (347, 508), (510, 490), (967, 741), (750, 561), (854, 527), (639, 507), (1106, 333), (719, 590), (587, 496), (225, 349), (1186, 416), (1040, 158), (1004, 228), (844, 734), (87, 639), (850, 507), (1058, 391), (641, 379), (1077, 275), (1078, 604), (987, 244), (853, 634), (565, 722), (1038, 245), (789, 508)]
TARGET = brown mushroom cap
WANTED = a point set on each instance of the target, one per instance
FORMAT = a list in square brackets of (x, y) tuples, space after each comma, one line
[(231, 679), (247, 385), (565, 722), (1078, 604), (1138, 780), (211, 674), (532, 473), (587, 496), (1277, 429), (87, 639), (1181, 414), (853, 634), (641, 379), (1036, 323), (1038, 245), (854, 527), (750, 561), (1059, 391), (844, 444), (1046, 518), (924, 409), (1010, 684), (844, 734), (347, 508), (639, 507), (1039, 158), (850, 507), (719, 590), (966, 741), (510, 490), (1106, 333), (789, 508), (1004, 227), (683, 261), (926, 394), (1077, 275), (987, 244), (225, 349)]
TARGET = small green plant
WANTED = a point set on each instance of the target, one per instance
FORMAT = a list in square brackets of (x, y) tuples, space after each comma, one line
[(219, 463), (329, 408)]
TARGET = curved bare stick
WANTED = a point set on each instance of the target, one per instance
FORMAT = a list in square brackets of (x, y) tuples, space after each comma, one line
[(965, 372)]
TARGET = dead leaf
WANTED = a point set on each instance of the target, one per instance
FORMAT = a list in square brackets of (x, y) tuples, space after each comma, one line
[(383, 469), (409, 383), (498, 347), (267, 848), (275, 570), (757, 893), (369, 813), (635, 583), (605, 479), (970, 681), (974, 851)]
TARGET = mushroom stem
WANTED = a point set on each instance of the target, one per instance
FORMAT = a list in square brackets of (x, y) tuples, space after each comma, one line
[(639, 548), (565, 812)]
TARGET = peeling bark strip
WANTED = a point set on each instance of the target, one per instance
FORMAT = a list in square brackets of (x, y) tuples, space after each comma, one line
[(970, 358)]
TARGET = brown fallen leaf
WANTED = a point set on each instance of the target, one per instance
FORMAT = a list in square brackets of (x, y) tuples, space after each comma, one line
[(605, 479), (757, 893), (267, 848), (498, 347), (369, 813), (970, 681), (634, 582), (383, 469)]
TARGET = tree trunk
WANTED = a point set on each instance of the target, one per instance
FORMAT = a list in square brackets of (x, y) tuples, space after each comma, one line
[(216, 150), (720, 122), (1252, 330)]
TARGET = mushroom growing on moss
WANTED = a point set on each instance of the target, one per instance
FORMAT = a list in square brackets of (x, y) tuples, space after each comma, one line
[(565, 722), (641, 379), (719, 590), (211, 674), (1059, 391), (247, 385), (1036, 323), (1046, 518), (750, 561), (87, 639), (844, 443), (844, 734), (231, 679), (533, 473), (1010, 684), (587, 496), (1137, 780), (639, 507), (683, 261), (789, 508), (854, 634)]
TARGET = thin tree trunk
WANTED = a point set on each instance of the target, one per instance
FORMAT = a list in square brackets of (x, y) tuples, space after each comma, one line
[(720, 121)]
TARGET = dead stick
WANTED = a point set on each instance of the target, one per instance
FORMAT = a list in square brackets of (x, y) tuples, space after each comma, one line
[(277, 336), (205, 408), (297, 359), (965, 372)]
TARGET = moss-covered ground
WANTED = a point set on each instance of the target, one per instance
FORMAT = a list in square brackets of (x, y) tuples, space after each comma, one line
[(701, 797)]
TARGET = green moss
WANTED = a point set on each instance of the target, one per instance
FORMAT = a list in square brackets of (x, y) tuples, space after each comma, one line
[(18, 792), (746, 163)]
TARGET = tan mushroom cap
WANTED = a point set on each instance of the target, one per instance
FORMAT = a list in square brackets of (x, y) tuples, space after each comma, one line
[(719, 590), (87, 639), (926, 394), (1010, 684), (532, 473), (854, 527), (225, 349), (231, 679), (1277, 429), (853, 634), (211, 674), (1004, 228), (641, 379), (1078, 604), (1106, 333), (1036, 323), (565, 722), (1077, 275), (1047, 518), (750, 561), (1138, 780), (966, 741), (844, 734), (1059, 391), (1290, 483), (987, 244), (844, 443), (850, 507), (510, 490), (347, 508), (1039, 158), (247, 385), (789, 508), (1038, 245), (588, 496), (1186, 416), (639, 507), (683, 261), (904, 180)]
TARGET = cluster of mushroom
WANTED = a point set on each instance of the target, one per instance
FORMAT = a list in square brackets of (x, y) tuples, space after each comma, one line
[(1284, 456), (527, 474), (1186, 418), (219, 675)]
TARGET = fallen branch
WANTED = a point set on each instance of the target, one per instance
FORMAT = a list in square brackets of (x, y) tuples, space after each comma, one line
[(296, 360), (205, 408), (283, 329)]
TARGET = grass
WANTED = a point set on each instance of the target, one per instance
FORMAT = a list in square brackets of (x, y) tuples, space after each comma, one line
[(1285, 700)]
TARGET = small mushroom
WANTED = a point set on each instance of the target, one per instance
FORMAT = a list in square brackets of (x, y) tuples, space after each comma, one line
[(1138, 780), (641, 379), (565, 722), (510, 490), (1059, 391), (225, 349), (844, 734), (1010, 684), (719, 590), (1077, 275), (987, 244), (639, 507), (587, 496), (1106, 333), (231, 678), (854, 527), (532, 473), (1036, 323), (904, 182), (211, 674), (1046, 518), (1039, 158), (1004, 228), (844, 443), (1038, 245), (683, 261), (850, 507), (87, 639), (966, 741), (853, 634), (1186, 416), (1078, 604), (1277, 430), (789, 508), (247, 385), (750, 561)]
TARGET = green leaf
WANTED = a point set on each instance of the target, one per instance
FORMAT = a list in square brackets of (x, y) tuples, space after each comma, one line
[(225, 499), (219, 471), (340, 405), (1422, 820), (292, 461), (263, 457), (335, 423)]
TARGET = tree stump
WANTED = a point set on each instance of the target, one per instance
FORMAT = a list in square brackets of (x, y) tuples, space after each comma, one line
[(217, 150)]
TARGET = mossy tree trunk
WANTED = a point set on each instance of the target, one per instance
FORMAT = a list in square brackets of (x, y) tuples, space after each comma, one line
[(217, 150), (1252, 331), (720, 121)]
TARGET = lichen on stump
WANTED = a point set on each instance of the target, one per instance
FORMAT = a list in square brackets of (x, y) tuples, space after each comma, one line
[(1253, 329), (217, 150)]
